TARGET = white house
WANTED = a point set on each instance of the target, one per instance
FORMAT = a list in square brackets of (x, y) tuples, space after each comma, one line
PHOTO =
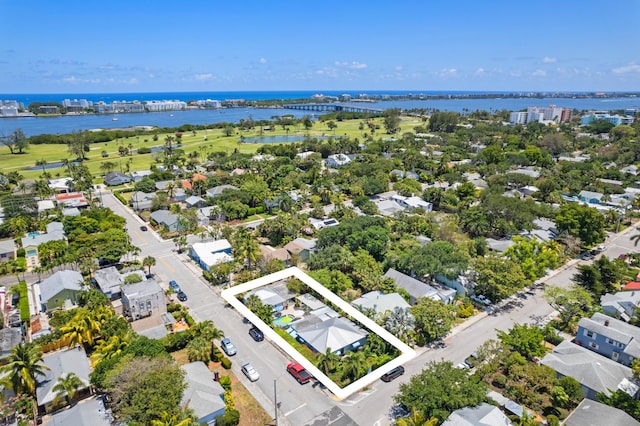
[(211, 253), (338, 160), (413, 203)]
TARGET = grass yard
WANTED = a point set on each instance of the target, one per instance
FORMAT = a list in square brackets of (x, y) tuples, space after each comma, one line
[(216, 141)]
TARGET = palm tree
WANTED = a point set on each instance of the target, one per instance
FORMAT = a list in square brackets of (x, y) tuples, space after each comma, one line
[(184, 418), (400, 323), (635, 238), (246, 246), (417, 418), (83, 327), (199, 349), (207, 330), (148, 262), (25, 364), (68, 385), (114, 346), (353, 366), (327, 362)]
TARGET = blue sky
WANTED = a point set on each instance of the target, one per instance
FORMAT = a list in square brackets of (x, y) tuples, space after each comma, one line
[(158, 46)]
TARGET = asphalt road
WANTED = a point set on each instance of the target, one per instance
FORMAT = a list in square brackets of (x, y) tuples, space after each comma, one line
[(298, 404), (308, 404)]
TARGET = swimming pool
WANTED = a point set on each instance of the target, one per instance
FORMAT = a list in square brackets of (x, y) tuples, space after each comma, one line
[(283, 320)]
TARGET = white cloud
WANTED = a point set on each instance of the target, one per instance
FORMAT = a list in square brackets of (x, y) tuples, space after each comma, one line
[(263, 60), (479, 72), (549, 60), (399, 68), (203, 77), (539, 73), (632, 68), (448, 72), (354, 65)]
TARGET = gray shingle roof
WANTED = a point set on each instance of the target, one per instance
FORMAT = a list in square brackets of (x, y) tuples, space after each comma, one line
[(144, 288), (164, 217), (61, 363), (87, 412), (590, 369), (203, 395), (54, 232), (593, 413), (381, 302), (617, 330), (61, 280), (109, 279), (414, 287), (482, 415), (335, 333)]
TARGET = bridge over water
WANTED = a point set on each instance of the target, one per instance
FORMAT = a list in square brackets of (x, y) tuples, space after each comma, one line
[(332, 108)]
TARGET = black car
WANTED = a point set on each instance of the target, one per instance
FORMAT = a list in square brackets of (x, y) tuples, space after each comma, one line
[(393, 374), (256, 334), (182, 296), (143, 228)]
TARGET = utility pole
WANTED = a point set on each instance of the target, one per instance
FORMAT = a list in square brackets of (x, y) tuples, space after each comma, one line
[(275, 402)]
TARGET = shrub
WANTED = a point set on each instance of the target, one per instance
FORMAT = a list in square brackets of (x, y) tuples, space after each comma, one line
[(225, 382), (500, 381), (229, 418), (23, 304), (176, 341), (216, 354), (225, 362), (553, 420), (20, 252), (144, 150)]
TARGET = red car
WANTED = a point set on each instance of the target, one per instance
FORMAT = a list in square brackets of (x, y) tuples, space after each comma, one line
[(298, 371)]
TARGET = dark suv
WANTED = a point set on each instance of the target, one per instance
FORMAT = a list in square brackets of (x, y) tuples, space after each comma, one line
[(257, 335), (393, 374)]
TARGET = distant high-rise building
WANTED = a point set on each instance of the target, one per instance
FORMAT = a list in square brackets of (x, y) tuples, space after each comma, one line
[(546, 115)]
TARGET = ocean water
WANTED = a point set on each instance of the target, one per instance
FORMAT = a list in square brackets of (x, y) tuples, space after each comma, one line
[(66, 124)]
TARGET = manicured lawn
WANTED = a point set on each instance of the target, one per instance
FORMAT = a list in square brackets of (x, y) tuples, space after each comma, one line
[(216, 141)]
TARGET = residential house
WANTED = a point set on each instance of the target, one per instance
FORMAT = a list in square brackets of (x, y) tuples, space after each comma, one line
[(72, 199), (481, 415), (630, 170), (167, 220), (188, 183), (527, 171), (203, 394), (209, 254), (143, 299), (594, 372), (70, 211), (10, 337), (116, 178), (304, 155), (60, 185), (622, 304), (594, 413), (302, 247), (164, 185), (499, 246), (337, 334), (59, 288), (272, 253), (195, 201), (88, 412), (178, 194), (7, 250), (45, 205), (338, 160), (216, 191), (401, 174), (268, 297), (109, 281), (142, 200), (412, 203), (380, 302), (591, 197), (61, 363), (609, 337), (318, 224), (418, 289), (138, 175)]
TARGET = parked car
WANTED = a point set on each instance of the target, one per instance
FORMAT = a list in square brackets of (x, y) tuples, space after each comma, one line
[(228, 347), (174, 286), (298, 372), (471, 360), (250, 372), (393, 374), (182, 296), (143, 228), (257, 335)]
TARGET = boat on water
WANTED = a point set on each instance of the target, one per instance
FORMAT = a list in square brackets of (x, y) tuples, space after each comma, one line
[(114, 119)]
